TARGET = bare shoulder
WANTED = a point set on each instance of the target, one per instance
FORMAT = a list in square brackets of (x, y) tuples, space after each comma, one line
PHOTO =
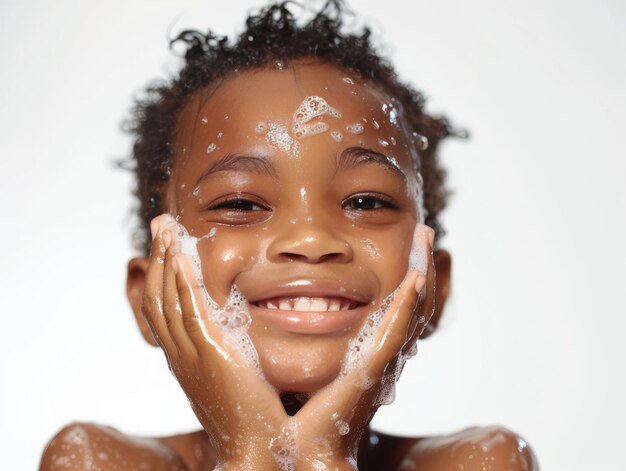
[(87, 446), (492, 448)]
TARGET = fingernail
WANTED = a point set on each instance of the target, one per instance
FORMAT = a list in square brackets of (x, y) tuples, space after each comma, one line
[(431, 237), (420, 282), (176, 266), (167, 238), (154, 228)]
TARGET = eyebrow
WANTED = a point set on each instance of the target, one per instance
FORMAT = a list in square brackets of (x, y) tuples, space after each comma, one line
[(241, 163), (349, 158), (356, 156)]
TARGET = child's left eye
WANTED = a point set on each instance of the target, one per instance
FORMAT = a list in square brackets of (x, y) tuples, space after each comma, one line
[(367, 203), (237, 210)]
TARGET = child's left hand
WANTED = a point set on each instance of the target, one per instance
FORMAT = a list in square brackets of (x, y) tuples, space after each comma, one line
[(327, 429), (331, 423)]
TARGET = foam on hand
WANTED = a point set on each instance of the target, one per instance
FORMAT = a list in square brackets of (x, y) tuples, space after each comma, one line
[(361, 347), (233, 318)]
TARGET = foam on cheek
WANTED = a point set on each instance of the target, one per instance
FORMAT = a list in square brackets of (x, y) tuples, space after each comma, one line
[(371, 248), (361, 347), (233, 318), (418, 257)]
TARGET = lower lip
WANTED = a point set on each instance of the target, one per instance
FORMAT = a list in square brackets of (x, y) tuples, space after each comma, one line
[(312, 323)]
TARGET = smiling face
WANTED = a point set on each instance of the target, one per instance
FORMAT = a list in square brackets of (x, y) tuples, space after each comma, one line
[(300, 185)]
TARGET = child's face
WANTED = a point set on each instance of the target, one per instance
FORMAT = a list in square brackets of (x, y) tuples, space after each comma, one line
[(297, 206)]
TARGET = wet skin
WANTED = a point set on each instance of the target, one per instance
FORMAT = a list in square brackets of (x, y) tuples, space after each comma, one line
[(285, 218), (320, 216)]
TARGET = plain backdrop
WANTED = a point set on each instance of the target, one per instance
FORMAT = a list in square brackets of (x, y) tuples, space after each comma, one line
[(534, 333)]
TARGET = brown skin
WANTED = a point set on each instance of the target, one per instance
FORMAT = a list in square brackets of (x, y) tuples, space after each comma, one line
[(296, 218)]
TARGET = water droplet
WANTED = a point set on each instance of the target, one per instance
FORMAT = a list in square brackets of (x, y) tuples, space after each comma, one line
[(260, 128), (393, 117), (421, 141), (204, 121), (211, 148)]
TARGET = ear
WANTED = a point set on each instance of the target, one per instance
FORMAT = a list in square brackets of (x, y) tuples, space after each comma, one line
[(135, 282), (443, 267)]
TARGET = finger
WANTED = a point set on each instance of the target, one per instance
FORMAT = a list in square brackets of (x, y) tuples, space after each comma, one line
[(346, 393), (171, 304), (152, 302), (393, 331), (427, 307), (426, 303), (192, 295)]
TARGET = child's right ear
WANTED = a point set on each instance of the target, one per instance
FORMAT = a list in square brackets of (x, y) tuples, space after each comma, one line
[(135, 282)]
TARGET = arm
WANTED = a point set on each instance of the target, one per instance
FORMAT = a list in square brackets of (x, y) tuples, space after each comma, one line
[(84, 446), (492, 448)]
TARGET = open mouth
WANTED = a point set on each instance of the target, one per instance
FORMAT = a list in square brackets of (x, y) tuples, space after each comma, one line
[(308, 304)]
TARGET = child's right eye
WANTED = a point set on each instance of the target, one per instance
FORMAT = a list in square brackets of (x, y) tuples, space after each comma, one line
[(238, 205)]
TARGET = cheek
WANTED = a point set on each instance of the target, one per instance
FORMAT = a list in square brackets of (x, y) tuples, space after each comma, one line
[(224, 255), (388, 258)]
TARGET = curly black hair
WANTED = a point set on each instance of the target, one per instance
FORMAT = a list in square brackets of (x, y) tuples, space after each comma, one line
[(272, 35)]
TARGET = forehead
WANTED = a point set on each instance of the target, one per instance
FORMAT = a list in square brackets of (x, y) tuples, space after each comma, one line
[(277, 93), (293, 110)]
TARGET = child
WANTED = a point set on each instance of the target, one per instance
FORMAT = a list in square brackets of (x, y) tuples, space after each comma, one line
[(287, 181)]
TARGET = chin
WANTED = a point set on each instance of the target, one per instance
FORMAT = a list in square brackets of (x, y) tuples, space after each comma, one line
[(299, 381), (300, 372)]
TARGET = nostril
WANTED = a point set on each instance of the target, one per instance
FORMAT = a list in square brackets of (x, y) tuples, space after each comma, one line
[(309, 247)]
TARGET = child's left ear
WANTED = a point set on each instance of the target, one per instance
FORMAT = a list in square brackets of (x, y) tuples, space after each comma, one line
[(135, 282), (443, 267)]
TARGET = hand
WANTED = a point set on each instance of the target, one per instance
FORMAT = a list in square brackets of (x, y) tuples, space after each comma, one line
[(240, 411), (331, 423)]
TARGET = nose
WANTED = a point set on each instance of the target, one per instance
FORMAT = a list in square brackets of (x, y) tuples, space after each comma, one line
[(309, 242)]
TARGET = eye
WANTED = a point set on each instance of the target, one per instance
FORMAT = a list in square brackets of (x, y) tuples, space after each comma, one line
[(368, 203), (239, 204), (237, 210)]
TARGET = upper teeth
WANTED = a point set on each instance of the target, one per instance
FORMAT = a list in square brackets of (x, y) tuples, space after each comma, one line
[(307, 304)]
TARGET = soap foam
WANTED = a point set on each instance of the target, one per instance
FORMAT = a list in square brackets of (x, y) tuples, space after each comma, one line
[(312, 107), (356, 128), (360, 348), (233, 318), (283, 447)]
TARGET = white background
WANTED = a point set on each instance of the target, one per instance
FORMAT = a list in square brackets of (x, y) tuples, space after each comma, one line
[(534, 334)]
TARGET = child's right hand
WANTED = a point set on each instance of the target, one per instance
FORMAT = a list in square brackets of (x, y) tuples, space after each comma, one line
[(234, 404), (242, 414)]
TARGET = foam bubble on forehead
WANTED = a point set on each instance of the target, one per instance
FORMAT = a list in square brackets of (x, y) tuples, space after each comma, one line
[(312, 107)]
